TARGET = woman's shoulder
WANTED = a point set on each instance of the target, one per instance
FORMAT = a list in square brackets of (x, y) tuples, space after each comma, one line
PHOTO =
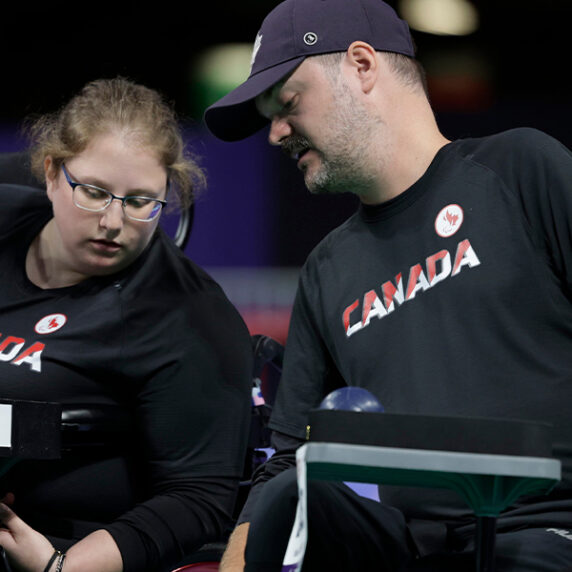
[(166, 279), (178, 269)]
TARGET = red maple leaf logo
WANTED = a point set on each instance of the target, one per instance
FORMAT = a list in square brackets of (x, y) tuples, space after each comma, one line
[(451, 219)]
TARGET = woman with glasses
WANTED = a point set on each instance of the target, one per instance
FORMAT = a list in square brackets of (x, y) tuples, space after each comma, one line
[(99, 308)]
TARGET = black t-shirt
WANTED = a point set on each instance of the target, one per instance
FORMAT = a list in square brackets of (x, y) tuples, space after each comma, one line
[(454, 298), (161, 342)]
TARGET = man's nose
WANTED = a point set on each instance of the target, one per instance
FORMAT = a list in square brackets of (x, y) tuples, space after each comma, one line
[(279, 129)]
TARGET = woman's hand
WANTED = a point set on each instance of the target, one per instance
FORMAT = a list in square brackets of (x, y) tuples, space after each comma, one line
[(27, 549), (30, 551)]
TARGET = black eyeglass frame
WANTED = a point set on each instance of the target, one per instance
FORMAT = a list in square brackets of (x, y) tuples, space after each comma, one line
[(73, 184)]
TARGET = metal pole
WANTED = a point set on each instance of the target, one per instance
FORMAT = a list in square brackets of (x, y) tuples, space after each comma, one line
[(485, 543)]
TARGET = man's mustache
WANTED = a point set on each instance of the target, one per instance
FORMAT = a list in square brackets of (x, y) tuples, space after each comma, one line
[(294, 145)]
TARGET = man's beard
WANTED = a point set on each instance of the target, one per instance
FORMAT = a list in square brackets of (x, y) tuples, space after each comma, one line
[(344, 164), (331, 177)]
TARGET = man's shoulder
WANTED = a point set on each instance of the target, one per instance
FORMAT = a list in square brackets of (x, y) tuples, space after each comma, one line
[(510, 141)]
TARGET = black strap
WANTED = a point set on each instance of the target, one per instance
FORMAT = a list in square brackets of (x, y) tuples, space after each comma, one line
[(51, 560)]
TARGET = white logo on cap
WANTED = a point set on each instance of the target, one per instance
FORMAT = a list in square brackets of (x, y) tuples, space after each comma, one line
[(310, 38), (255, 49)]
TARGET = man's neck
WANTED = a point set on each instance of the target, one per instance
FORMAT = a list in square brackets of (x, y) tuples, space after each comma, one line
[(406, 165)]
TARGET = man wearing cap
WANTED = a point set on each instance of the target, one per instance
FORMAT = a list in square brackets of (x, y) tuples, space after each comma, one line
[(432, 296)]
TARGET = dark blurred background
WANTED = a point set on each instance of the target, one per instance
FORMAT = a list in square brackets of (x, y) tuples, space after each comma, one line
[(256, 223)]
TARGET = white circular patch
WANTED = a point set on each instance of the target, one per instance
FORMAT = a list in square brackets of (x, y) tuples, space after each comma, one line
[(51, 323), (449, 220), (310, 38)]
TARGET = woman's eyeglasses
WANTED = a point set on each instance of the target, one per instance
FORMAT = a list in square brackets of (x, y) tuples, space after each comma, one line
[(95, 199)]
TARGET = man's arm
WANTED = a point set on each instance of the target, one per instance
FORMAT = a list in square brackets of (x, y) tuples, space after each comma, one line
[(284, 458), (233, 557)]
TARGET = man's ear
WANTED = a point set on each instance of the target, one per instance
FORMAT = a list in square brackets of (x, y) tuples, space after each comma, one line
[(363, 58)]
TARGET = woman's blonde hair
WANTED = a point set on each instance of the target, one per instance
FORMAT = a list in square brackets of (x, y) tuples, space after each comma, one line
[(116, 105)]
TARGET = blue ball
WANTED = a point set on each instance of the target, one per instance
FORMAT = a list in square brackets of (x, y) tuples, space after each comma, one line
[(352, 399)]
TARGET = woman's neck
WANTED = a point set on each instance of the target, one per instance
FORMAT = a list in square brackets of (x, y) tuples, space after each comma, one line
[(42, 266)]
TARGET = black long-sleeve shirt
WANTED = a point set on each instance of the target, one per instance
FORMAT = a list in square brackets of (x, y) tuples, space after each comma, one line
[(160, 342)]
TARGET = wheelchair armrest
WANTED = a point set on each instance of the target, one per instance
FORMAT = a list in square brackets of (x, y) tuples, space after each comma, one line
[(94, 425)]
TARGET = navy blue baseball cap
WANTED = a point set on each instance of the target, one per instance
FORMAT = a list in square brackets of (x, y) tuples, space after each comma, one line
[(294, 30)]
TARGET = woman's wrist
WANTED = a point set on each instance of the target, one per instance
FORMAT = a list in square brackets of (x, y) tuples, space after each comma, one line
[(56, 562), (60, 562)]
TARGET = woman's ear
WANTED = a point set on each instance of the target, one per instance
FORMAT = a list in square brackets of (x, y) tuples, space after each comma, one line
[(50, 175), (363, 58)]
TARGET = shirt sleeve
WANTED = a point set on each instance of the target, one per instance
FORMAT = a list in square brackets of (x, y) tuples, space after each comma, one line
[(193, 415), (284, 458), (309, 371), (537, 169), (545, 187)]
